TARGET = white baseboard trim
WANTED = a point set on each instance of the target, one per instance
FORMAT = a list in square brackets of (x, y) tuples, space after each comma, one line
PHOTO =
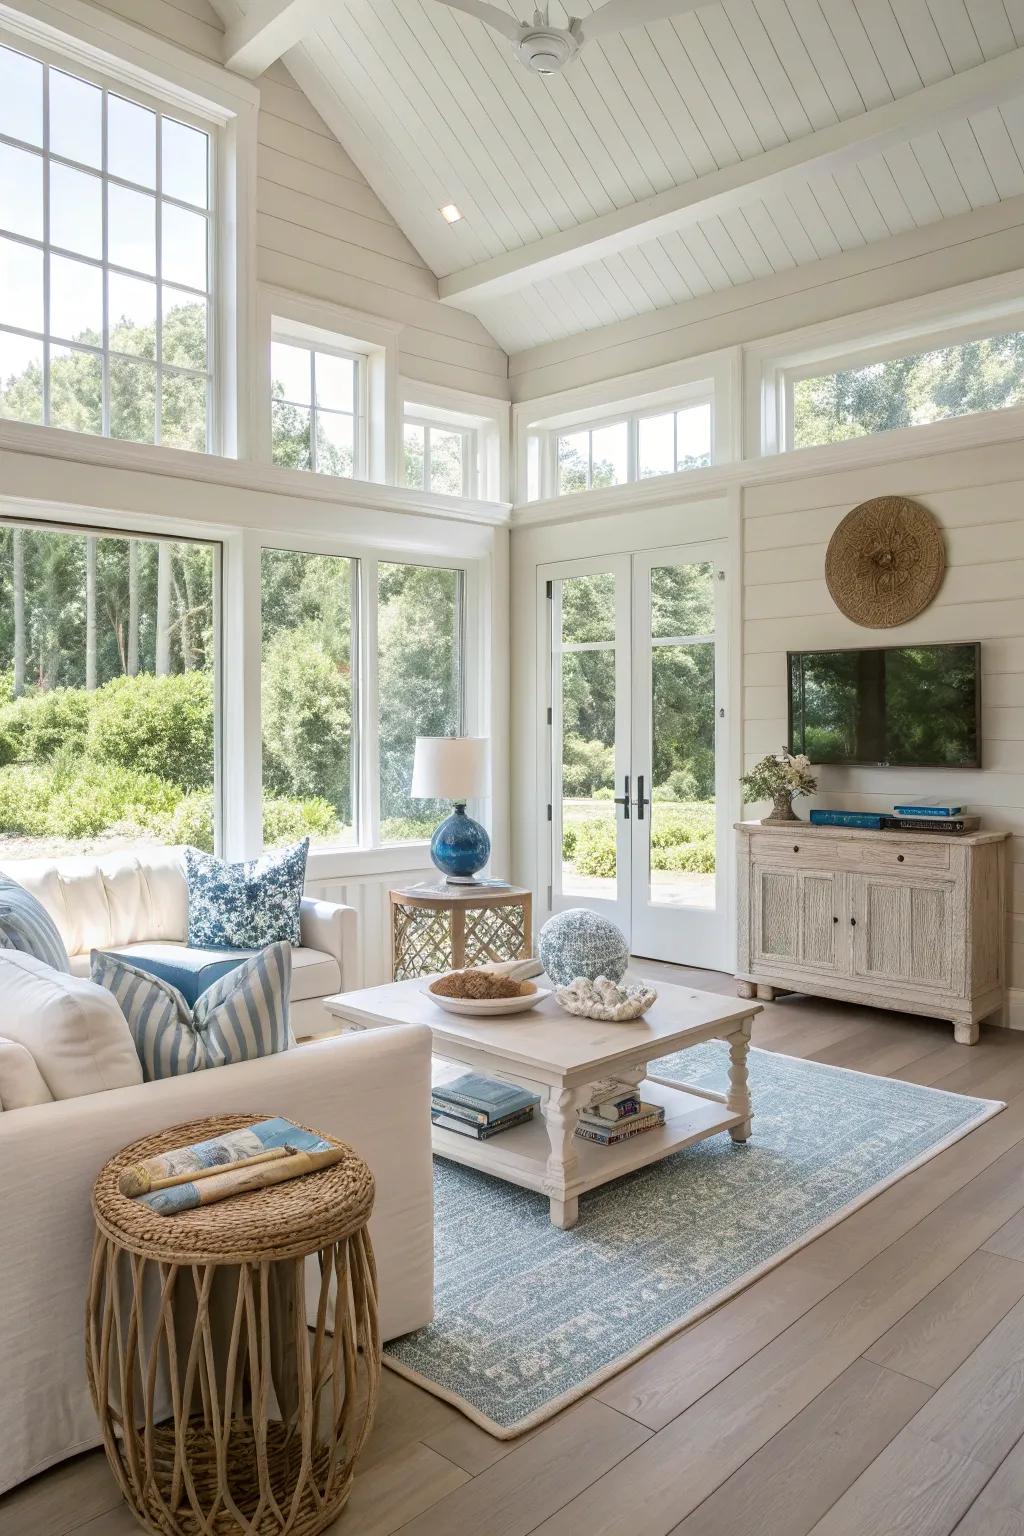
[(1014, 1008)]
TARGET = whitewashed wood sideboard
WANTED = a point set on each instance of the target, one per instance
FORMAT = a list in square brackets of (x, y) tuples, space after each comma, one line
[(914, 921)]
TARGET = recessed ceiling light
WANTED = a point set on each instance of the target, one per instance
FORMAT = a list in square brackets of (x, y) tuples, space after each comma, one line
[(450, 213)]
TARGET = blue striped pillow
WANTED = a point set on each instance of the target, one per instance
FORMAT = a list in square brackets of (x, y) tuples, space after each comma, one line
[(240, 1017), (26, 925)]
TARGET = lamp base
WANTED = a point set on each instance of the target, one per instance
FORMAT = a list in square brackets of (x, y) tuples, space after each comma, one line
[(460, 847)]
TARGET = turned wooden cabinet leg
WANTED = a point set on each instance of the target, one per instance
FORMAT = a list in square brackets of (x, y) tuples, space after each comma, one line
[(765, 993), (745, 989), (966, 1032)]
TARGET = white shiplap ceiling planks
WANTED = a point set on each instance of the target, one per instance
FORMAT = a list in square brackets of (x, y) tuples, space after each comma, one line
[(434, 108)]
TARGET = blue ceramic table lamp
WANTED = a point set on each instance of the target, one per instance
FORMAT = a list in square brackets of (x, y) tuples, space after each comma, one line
[(455, 768)]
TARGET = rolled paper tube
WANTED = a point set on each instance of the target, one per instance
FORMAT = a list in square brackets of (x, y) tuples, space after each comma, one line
[(137, 1179)]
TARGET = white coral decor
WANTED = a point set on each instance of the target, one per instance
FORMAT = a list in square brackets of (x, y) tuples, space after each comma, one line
[(604, 999)]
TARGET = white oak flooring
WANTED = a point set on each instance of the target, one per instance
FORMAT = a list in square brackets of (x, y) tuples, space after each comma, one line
[(872, 1385)]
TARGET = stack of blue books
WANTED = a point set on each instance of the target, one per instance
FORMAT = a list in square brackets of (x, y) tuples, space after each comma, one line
[(923, 816), (481, 1107)]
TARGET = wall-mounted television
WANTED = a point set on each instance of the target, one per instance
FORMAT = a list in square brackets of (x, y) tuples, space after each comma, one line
[(903, 706)]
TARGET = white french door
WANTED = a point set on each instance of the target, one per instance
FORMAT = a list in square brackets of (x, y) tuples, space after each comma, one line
[(636, 751)]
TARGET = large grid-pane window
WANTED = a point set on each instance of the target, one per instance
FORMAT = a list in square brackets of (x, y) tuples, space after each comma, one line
[(108, 650), (315, 409), (909, 391), (590, 456), (307, 696), (419, 683), (105, 260)]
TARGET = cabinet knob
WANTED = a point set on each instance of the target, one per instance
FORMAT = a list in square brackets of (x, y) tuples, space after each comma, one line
[(796, 847), (853, 922), (835, 919), (899, 858)]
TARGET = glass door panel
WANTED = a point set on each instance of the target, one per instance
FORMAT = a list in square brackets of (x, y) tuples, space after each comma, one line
[(589, 737), (678, 727)]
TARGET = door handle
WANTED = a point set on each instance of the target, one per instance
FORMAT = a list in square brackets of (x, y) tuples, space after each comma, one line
[(641, 803), (623, 800)]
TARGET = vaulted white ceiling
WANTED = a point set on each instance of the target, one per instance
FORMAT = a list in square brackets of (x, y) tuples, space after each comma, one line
[(668, 161)]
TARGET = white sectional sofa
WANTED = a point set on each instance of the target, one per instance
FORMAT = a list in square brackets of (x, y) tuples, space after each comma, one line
[(122, 900), (372, 1090)]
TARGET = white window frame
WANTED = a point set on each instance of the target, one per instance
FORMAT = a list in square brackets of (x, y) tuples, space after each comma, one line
[(82, 39), (428, 426), (365, 562), (324, 327), (103, 264), (971, 312), (485, 416), (712, 379), (286, 334)]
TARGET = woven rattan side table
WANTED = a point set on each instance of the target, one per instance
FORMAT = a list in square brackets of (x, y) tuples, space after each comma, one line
[(223, 1411), (445, 927)]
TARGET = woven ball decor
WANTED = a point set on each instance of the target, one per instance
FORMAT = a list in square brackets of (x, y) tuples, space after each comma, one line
[(233, 1401), (885, 562)]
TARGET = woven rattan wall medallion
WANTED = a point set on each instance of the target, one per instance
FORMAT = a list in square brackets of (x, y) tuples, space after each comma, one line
[(885, 562)]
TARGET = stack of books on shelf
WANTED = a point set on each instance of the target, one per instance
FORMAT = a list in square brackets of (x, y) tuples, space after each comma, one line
[(480, 1107), (617, 1119), (922, 816)]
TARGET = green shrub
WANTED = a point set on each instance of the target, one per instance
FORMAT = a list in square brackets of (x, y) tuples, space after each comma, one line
[(40, 725), (680, 785), (8, 748), (307, 722), (288, 820), (191, 821), (586, 766), (158, 725), (595, 849), (45, 801), (407, 829), (569, 841), (693, 858)]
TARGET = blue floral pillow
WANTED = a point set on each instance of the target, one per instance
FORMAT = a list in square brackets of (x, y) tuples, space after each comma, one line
[(248, 905)]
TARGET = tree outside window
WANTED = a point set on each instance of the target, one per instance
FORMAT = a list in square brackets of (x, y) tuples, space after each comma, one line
[(314, 407)]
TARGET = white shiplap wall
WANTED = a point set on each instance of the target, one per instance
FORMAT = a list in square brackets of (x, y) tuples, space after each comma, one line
[(323, 232), (977, 495)]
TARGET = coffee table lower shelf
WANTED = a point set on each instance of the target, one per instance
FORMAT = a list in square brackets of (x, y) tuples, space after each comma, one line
[(523, 1156)]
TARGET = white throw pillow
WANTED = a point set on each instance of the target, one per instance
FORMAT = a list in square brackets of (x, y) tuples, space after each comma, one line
[(21, 1082), (75, 1030)]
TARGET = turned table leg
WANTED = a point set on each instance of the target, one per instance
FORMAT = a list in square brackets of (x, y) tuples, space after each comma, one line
[(563, 1163), (738, 1099), (966, 1031)]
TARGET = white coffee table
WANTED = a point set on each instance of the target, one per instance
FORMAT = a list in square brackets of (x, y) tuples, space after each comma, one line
[(564, 1059)]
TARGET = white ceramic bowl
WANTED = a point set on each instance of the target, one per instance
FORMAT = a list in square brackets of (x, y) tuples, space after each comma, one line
[(491, 1007)]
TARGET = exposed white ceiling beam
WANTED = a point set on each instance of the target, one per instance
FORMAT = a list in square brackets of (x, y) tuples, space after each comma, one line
[(854, 139), (265, 32)]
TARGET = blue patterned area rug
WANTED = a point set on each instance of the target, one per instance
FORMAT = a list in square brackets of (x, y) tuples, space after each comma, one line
[(529, 1318)]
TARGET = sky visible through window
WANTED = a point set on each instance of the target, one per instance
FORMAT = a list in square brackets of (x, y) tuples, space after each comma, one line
[(104, 260)]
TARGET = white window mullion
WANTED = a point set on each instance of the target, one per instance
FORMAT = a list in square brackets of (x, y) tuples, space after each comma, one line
[(369, 708)]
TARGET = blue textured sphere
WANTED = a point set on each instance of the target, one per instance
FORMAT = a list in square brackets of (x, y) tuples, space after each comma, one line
[(581, 943), (460, 846)]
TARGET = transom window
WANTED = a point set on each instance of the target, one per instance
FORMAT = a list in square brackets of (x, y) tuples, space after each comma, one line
[(562, 461), (315, 404), (105, 260), (438, 456), (904, 391)]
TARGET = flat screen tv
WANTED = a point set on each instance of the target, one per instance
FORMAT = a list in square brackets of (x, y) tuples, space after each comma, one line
[(906, 706)]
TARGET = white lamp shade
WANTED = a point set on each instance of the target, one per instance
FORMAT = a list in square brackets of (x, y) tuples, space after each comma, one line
[(451, 768)]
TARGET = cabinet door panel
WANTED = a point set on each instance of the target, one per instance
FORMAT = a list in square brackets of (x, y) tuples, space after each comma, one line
[(776, 913), (903, 931), (819, 929), (929, 946), (881, 921)]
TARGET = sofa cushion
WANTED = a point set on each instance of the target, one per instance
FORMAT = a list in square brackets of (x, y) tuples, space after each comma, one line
[(242, 1016), (118, 898), (246, 905), (75, 1031), (314, 974), (25, 924), (21, 1082), (191, 971)]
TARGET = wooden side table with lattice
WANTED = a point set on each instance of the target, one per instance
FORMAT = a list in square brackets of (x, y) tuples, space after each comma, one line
[(227, 1408), (445, 927)]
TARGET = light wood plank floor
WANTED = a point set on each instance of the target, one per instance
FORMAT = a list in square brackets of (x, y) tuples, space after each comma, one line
[(871, 1385)]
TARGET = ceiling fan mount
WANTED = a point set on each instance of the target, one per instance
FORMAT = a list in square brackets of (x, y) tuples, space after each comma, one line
[(545, 49)]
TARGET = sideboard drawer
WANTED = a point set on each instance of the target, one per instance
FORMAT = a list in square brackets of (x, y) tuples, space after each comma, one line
[(902, 854), (799, 847)]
